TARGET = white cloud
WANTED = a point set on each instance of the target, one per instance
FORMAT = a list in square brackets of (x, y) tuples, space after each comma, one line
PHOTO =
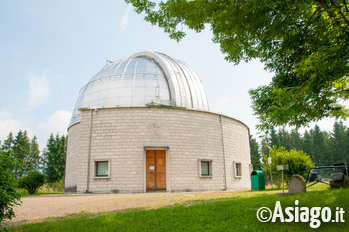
[(39, 90), (56, 123), (124, 20), (9, 124), (4, 114)]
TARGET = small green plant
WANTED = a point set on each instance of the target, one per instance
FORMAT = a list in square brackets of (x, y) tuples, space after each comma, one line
[(32, 181), (58, 186), (297, 162)]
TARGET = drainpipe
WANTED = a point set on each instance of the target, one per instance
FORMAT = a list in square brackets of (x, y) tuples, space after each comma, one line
[(225, 173), (89, 154)]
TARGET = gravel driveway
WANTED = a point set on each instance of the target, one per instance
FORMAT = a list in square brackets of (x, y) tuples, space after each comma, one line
[(42, 207)]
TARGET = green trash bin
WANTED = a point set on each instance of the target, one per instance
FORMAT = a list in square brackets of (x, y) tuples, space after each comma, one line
[(257, 180)]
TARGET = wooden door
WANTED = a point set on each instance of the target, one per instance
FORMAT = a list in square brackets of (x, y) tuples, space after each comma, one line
[(160, 168), (155, 170)]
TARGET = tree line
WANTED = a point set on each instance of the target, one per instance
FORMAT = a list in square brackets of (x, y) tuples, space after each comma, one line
[(324, 148), (22, 165), (25, 153)]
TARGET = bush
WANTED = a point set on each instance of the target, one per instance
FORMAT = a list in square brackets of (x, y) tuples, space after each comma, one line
[(297, 162), (58, 186), (32, 181), (8, 196)]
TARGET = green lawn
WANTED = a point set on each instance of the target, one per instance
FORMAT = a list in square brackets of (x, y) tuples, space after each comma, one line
[(39, 193), (44, 190), (235, 214)]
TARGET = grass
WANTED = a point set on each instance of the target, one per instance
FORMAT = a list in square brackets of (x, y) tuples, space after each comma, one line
[(44, 190), (233, 214), (318, 186), (39, 193)]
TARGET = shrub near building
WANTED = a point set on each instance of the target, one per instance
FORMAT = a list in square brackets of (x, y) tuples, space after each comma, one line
[(8, 196), (32, 181), (297, 162)]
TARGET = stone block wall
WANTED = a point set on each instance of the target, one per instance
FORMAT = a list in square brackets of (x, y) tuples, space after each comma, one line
[(120, 135)]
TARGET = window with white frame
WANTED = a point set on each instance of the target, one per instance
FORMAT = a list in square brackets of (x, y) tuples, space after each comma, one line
[(102, 169), (238, 169), (205, 168)]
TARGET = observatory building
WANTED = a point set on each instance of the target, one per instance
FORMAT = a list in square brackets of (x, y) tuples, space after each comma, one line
[(143, 124)]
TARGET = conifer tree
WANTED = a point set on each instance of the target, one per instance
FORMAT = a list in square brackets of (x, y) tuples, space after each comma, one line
[(54, 158), (319, 149), (307, 142), (255, 155), (20, 152), (34, 155), (339, 146)]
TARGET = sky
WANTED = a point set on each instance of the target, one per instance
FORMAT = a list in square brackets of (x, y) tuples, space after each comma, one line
[(50, 49)]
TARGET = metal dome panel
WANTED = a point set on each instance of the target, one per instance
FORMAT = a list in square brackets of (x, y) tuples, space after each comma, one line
[(144, 78)]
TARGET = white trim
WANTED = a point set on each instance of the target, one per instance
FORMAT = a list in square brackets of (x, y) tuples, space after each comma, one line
[(234, 168), (210, 167), (94, 168)]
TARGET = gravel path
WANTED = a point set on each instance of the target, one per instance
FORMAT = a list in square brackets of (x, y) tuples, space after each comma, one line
[(42, 207)]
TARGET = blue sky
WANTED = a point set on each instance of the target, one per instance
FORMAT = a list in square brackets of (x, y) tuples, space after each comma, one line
[(50, 49)]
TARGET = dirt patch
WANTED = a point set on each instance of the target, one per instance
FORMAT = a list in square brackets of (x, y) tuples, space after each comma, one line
[(42, 207)]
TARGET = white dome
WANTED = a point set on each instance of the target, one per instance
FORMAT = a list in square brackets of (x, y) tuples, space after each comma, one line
[(146, 78)]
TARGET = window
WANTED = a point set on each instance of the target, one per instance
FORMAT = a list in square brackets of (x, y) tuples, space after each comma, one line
[(101, 168), (205, 168), (238, 170)]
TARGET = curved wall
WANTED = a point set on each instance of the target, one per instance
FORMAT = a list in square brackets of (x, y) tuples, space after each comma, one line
[(121, 136)]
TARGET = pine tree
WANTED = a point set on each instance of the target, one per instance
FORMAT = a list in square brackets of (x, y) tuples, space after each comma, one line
[(319, 149), (273, 140), (264, 147), (255, 155), (307, 142), (34, 155), (21, 151), (322, 147), (296, 140), (54, 158), (339, 144), (8, 143), (284, 139)]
